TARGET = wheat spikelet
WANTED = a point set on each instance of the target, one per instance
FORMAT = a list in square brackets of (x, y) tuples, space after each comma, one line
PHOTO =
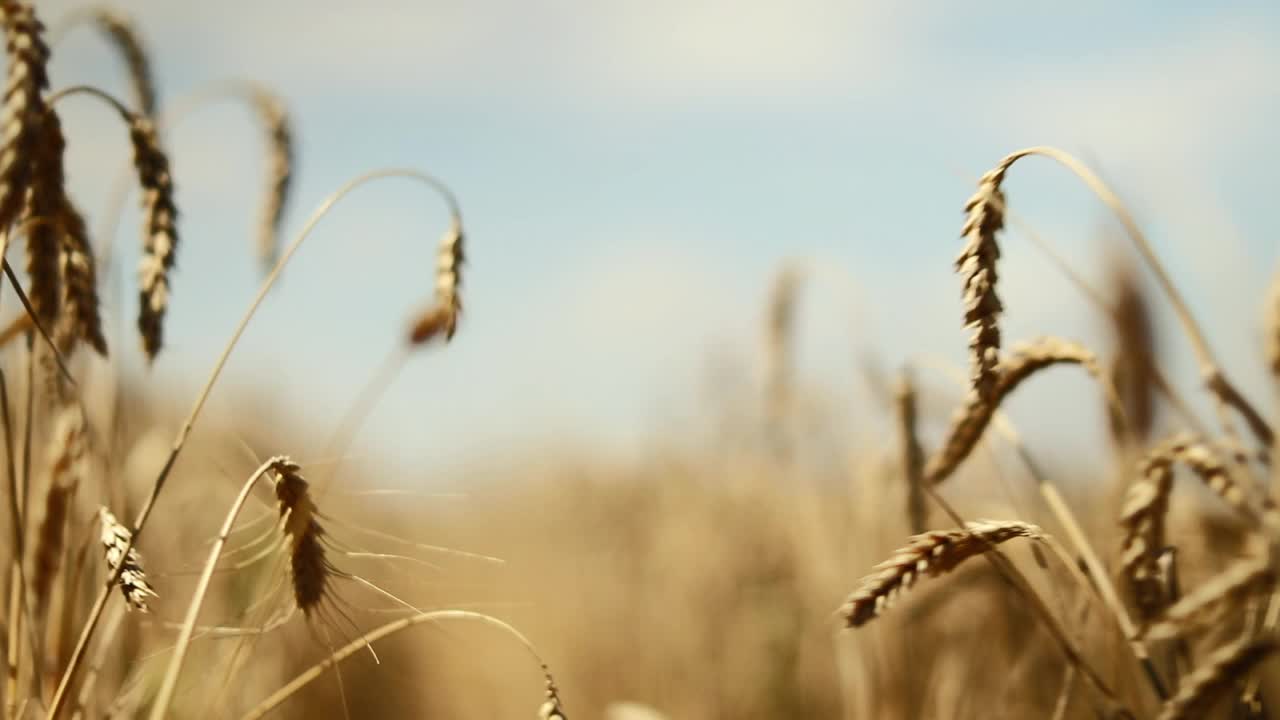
[(1131, 371), (552, 708), (931, 554), (309, 570), (79, 318), (1224, 667), (972, 419), (984, 217), (160, 233), (280, 161), (66, 461), (1210, 601), (912, 454), (1147, 503), (42, 205), (126, 39), (442, 316), (24, 108), (133, 580)]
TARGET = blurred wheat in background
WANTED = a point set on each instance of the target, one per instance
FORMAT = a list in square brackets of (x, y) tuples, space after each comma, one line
[(778, 548)]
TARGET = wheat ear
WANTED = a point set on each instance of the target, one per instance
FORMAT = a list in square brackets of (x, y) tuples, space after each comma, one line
[(23, 109), (1147, 503), (1225, 666), (123, 559), (67, 457), (441, 317), (281, 159), (929, 554), (911, 453), (1213, 598), (984, 217), (95, 612)]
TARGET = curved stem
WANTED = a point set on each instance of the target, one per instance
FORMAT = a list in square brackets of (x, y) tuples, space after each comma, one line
[(95, 613), (170, 682), (315, 671), (1212, 374)]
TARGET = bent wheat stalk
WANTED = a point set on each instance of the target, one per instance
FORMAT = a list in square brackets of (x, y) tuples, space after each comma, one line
[(170, 683), (179, 442), (552, 705)]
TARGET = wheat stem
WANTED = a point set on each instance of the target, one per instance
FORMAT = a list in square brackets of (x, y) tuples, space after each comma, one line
[(95, 613), (165, 695), (309, 675)]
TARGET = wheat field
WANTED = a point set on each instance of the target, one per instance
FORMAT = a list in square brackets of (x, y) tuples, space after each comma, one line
[(772, 560)]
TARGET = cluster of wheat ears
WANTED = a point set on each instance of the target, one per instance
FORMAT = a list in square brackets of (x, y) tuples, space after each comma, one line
[(57, 598)]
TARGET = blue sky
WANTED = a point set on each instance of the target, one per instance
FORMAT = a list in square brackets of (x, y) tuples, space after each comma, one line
[(633, 173)]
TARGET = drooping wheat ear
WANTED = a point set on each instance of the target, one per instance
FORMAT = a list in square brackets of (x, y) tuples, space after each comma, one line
[(160, 232), (309, 569), (1132, 369), (911, 453), (133, 580), (274, 117), (128, 42), (779, 330), (41, 207), (1210, 601), (1224, 667), (1143, 518), (932, 554), (24, 107), (442, 316), (79, 318), (971, 420), (66, 468), (984, 217), (1147, 504)]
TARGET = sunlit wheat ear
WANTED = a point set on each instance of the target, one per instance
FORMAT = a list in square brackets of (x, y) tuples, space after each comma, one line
[(930, 554), (1211, 601), (984, 217), (309, 569), (1225, 667), (67, 453), (971, 420), (127, 41), (280, 162), (80, 319), (133, 580), (23, 109), (160, 232), (442, 316)]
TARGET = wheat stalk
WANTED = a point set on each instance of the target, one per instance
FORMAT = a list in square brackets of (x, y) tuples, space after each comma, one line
[(184, 430), (929, 554), (553, 705)]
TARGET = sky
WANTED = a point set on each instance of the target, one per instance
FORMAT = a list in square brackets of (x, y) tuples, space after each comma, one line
[(633, 174)]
